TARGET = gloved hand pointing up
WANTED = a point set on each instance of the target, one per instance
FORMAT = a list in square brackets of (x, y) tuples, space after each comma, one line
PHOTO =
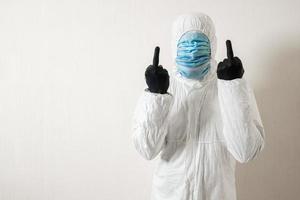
[(231, 67), (157, 78)]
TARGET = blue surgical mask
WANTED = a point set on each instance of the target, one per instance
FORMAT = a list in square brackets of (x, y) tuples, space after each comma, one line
[(193, 55)]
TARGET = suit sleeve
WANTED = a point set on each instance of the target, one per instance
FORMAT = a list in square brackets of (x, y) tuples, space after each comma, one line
[(150, 123), (242, 126)]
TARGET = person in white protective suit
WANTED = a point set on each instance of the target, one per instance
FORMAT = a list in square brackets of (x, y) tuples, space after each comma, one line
[(206, 121)]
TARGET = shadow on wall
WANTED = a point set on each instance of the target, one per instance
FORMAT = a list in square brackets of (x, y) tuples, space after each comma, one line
[(275, 175)]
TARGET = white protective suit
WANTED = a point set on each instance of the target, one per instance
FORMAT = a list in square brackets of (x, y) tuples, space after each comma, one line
[(199, 129)]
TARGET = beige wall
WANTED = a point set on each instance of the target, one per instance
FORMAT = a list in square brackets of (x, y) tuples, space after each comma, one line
[(71, 72)]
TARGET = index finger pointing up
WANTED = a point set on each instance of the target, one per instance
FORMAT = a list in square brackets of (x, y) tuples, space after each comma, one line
[(229, 49), (156, 56)]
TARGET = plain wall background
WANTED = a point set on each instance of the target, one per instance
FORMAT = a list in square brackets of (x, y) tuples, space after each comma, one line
[(71, 72)]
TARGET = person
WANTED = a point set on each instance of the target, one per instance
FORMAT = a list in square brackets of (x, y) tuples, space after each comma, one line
[(200, 120)]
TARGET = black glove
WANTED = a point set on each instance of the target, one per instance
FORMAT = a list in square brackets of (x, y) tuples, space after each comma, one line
[(231, 67), (157, 78)]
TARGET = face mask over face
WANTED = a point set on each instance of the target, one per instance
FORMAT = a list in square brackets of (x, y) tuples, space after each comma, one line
[(193, 55)]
